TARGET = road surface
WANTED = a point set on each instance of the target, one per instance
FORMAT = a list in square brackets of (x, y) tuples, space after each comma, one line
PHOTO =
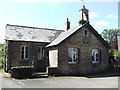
[(62, 82)]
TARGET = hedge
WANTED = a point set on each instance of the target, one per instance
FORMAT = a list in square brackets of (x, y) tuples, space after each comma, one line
[(0, 65), (22, 72)]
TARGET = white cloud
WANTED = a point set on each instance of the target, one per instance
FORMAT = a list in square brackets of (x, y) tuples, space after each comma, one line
[(97, 27), (102, 23), (112, 16), (93, 15)]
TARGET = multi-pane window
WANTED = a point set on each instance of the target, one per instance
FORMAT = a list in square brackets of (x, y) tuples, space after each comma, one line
[(96, 56), (73, 55), (40, 52), (24, 52)]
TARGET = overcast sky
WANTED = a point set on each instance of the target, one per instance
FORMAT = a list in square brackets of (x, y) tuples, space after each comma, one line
[(53, 13)]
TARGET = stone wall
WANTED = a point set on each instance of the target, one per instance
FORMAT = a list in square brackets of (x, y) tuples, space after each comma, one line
[(84, 64), (14, 58)]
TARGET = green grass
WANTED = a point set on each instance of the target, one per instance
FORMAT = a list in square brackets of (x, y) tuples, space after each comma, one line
[(5, 76), (2, 71)]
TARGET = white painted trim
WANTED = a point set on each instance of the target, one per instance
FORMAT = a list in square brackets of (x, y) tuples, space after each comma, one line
[(41, 53), (94, 52), (24, 52), (71, 53)]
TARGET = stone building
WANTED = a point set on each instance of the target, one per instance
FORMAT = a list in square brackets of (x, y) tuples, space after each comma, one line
[(75, 51), (79, 50), (26, 45)]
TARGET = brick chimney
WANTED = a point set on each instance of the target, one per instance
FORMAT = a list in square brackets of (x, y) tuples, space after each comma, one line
[(67, 25)]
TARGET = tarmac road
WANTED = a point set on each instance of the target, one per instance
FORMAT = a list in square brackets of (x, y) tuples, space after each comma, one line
[(63, 82)]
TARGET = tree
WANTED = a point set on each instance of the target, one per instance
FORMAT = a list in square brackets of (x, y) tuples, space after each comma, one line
[(110, 35), (116, 59), (2, 54)]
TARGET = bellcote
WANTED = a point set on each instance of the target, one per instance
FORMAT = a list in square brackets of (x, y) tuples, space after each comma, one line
[(84, 15)]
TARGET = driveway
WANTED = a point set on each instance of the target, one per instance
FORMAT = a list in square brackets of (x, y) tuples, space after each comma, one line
[(63, 82)]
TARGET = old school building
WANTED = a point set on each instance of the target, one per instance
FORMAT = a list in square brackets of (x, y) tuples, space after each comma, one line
[(74, 51)]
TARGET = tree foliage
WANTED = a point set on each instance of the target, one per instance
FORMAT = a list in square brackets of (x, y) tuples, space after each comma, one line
[(110, 35), (116, 59), (2, 54)]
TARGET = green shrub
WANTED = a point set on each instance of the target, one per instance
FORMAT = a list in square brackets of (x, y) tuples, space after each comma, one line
[(0, 65), (2, 54), (22, 72), (116, 59), (81, 21)]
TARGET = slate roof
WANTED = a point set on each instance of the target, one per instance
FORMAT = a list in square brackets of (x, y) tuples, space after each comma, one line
[(25, 33), (63, 36)]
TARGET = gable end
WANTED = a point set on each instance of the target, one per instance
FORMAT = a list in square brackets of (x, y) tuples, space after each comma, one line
[(98, 35)]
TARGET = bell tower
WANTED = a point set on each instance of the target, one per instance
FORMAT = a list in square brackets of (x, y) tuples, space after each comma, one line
[(84, 15)]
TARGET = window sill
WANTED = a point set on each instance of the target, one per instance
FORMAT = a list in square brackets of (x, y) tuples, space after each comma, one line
[(72, 62), (95, 62), (24, 59)]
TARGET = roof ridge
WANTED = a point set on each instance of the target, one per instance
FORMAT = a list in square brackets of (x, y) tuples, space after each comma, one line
[(34, 27)]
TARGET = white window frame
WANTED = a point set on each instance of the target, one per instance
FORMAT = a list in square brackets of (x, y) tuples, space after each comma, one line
[(41, 52), (24, 52), (96, 55), (73, 55)]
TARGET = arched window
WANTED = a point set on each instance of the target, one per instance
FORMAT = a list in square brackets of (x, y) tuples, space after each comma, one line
[(96, 56), (24, 52)]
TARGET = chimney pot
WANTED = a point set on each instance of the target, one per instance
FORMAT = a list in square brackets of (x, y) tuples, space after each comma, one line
[(67, 24)]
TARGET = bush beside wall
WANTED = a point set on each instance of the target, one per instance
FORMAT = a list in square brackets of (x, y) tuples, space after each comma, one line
[(22, 72)]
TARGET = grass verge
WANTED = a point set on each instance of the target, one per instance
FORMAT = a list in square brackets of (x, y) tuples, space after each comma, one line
[(2, 71)]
